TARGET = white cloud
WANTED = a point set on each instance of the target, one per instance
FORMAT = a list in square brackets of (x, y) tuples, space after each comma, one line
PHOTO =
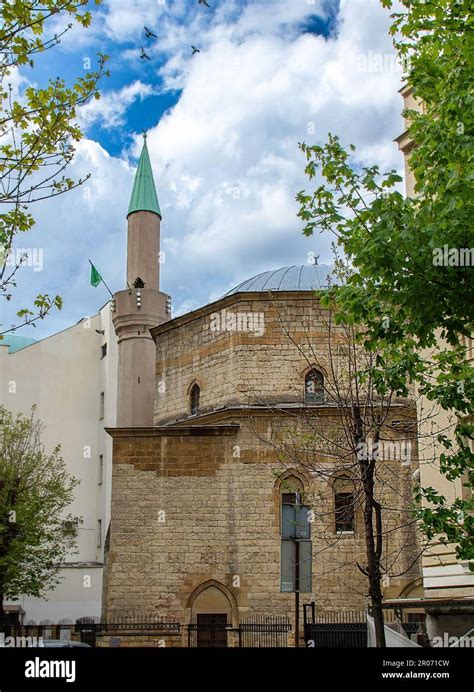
[(226, 158), (87, 222), (110, 109), (123, 18), (243, 110)]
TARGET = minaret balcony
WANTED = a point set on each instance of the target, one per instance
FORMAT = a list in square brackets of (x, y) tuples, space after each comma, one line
[(137, 310)]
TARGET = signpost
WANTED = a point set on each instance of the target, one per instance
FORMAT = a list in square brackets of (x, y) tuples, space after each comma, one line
[(296, 553)]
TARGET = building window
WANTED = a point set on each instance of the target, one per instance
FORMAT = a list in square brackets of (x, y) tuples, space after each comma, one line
[(290, 499), (99, 533), (194, 398), (103, 351), (101, 469), (102, 405), (314, 387), (344, 512)]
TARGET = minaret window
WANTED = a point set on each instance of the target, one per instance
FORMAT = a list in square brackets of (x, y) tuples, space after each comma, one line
[(314, 387), (194, 399)]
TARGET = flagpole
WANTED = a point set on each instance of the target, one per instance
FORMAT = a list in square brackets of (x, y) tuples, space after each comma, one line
[(111, 294)]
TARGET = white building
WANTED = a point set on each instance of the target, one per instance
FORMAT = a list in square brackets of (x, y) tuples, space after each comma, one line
[(448, 583), (72, 378)]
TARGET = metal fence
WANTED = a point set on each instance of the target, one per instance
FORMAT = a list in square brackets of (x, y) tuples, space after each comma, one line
[(348, 629), (342, 630), (206, 631), (209, 631), (129, 624), (256, 631), (24, 634), (264, 631), (87, 629)]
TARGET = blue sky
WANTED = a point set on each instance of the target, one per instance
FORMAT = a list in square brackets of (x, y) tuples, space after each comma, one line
[(223, 132)]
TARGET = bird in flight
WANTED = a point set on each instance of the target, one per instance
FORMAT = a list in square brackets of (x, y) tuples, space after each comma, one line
[(195, 50), (149, 33), (144, 56), (203, 2)]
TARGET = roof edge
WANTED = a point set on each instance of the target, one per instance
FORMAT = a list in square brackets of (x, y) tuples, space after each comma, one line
[(223, 302)]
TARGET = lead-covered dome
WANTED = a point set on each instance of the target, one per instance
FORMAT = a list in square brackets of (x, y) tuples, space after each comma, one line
[(307, 277)]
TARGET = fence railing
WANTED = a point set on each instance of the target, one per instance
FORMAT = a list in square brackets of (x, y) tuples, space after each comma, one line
[(256, 631), (261, 631), (348, 629), (342, 630), (87, 629)]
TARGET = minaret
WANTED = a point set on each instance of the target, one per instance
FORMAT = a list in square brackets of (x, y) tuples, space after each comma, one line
[(142, 305)]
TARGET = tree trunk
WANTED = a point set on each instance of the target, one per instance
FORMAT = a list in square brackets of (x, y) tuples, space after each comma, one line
[(373, 551), (373, 545)]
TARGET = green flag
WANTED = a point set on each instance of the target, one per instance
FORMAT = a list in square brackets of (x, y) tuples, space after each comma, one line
[(95, 276)]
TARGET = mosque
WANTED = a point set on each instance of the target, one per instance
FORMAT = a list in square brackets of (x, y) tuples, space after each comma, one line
[(203, 506)]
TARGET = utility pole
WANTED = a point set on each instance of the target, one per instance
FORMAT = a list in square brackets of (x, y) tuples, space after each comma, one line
[(297, 594)]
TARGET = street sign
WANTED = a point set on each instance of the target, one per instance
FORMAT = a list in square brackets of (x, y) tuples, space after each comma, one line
[(296, 566)]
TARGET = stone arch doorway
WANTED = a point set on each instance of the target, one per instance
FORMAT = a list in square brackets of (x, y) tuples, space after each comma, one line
[(213, 613)]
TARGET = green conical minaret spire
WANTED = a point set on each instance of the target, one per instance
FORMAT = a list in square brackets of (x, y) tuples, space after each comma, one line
[(144, 197)]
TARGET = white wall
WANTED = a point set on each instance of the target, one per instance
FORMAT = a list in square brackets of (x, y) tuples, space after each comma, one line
[(64, 375)]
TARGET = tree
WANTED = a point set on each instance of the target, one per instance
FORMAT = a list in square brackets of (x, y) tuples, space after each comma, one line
[(38, 129), (35, 489), (405, 300), (359, 450)]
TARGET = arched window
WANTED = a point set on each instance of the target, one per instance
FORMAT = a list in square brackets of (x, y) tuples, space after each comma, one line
[(291, 489), (344, 510), (194, 397), (314, 387)]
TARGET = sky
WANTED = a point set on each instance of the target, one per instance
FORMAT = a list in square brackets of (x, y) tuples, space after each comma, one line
[(223, 129)]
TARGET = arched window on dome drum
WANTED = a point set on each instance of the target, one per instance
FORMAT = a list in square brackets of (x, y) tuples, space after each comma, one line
[(314, 387), (194, 398)]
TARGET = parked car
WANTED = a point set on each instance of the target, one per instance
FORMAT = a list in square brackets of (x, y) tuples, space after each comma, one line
[(60, 644)]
